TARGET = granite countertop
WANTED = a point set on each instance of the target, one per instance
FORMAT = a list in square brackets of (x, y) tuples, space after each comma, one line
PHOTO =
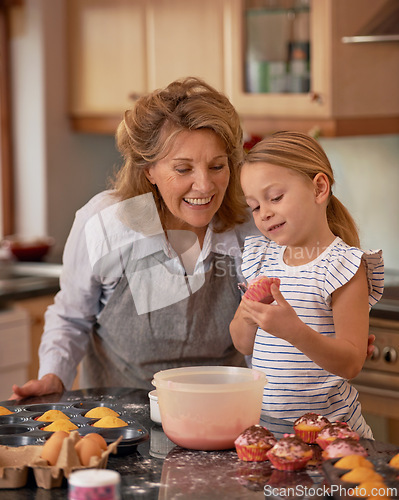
[(22, 280), (158, 469)]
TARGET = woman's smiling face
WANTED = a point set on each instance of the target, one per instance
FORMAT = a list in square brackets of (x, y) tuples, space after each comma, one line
[(192, 179)]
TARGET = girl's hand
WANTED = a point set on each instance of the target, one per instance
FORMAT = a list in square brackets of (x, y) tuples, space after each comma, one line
[(48, 384), (278, 318)]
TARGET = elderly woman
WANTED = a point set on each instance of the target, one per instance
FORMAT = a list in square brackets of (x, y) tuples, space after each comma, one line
[(151, 266)]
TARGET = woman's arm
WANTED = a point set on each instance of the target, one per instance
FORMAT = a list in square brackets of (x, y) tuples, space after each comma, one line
[(343, 355)]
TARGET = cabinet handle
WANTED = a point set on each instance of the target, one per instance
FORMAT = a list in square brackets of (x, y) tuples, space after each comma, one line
[(316, 97), (134, 96)]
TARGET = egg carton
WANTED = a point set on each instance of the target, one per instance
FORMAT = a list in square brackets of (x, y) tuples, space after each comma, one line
[(22, 427)]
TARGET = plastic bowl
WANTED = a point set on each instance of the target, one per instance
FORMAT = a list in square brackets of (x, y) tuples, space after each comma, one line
[(207, 407)]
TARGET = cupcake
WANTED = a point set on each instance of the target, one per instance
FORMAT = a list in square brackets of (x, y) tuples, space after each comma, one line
[(253, 444), (290, 453), (333, 431), (341, 447), (309, 425), (352, 461), (394, 462), (259, 289), (361, 474)]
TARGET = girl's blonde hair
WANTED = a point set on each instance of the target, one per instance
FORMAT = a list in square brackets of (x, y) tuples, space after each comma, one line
[(304, 154), (147, 131)]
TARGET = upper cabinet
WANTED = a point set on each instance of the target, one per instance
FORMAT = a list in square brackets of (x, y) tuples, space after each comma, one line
[(282, 62), (121, 49)]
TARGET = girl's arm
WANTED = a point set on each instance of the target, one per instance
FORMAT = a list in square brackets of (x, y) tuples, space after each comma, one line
[(343, 355), (242, 331)]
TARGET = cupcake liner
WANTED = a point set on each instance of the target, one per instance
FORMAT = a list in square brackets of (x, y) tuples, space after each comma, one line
[(323, 443), (307, 436), (282, 464), (251, 453), (259, 289)]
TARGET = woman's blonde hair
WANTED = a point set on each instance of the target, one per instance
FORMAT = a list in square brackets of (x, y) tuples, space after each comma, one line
[(304, 154), (147, 131)]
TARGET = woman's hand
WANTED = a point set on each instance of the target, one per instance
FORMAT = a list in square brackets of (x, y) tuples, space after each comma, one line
[(48, 384)]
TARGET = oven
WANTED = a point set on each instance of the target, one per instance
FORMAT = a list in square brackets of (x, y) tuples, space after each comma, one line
[(378, 382)]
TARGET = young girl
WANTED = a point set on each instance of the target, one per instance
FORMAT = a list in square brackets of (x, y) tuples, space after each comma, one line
[(313, 337)]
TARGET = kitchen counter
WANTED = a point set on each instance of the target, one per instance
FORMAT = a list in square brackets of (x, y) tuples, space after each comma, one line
[(157, 469), (22, 280)]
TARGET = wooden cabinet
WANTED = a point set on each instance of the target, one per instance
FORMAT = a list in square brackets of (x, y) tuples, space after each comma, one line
[(35, 309), (354, 87), (15, 351), (119, 49)]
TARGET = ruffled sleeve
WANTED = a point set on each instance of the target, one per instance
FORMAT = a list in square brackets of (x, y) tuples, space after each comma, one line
[(255, 252), (344, 265)]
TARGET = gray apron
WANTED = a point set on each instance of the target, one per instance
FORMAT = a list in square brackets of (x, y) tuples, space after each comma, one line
[(127, 348)]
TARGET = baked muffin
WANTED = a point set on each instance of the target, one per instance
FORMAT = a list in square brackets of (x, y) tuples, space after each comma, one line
[(290, 453), (110, 421), (61, 424), (253, 444), (394, 462), (309, 425), (352, 461), (361, 474), (52, 415), (370, 488), (100, 412), (341, 447), (259, 289), (5, 411), (333, 431)]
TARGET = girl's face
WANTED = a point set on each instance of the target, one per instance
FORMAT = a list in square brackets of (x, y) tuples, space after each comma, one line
[(284, 203), (192, 179)]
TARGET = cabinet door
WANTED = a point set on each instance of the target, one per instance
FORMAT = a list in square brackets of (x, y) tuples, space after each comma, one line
[(119, 49), (107, 55), (185, 38), (315, 101)]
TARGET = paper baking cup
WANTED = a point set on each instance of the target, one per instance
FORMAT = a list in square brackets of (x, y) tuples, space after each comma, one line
[(307, 436), (281, 464), (252, 453)]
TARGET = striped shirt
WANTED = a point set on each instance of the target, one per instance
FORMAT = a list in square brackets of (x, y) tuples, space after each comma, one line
[(296, 385)]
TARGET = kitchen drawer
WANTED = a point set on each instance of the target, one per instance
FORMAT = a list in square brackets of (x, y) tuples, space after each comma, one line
[(9, 376), (14, 338)]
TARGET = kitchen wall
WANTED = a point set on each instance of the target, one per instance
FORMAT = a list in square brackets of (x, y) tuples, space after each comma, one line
[(367, 182), (58, 170)]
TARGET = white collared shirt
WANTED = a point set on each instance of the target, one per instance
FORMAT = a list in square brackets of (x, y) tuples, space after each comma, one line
[(109, 238)]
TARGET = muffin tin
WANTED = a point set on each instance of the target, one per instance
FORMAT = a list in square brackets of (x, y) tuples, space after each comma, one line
[(380, 461), (21, 428)]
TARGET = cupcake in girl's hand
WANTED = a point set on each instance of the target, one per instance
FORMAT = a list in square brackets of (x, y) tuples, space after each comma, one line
[(290, 453), (259, 289), (253, 444), (341, 447), (309, 425), (333, 431)]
